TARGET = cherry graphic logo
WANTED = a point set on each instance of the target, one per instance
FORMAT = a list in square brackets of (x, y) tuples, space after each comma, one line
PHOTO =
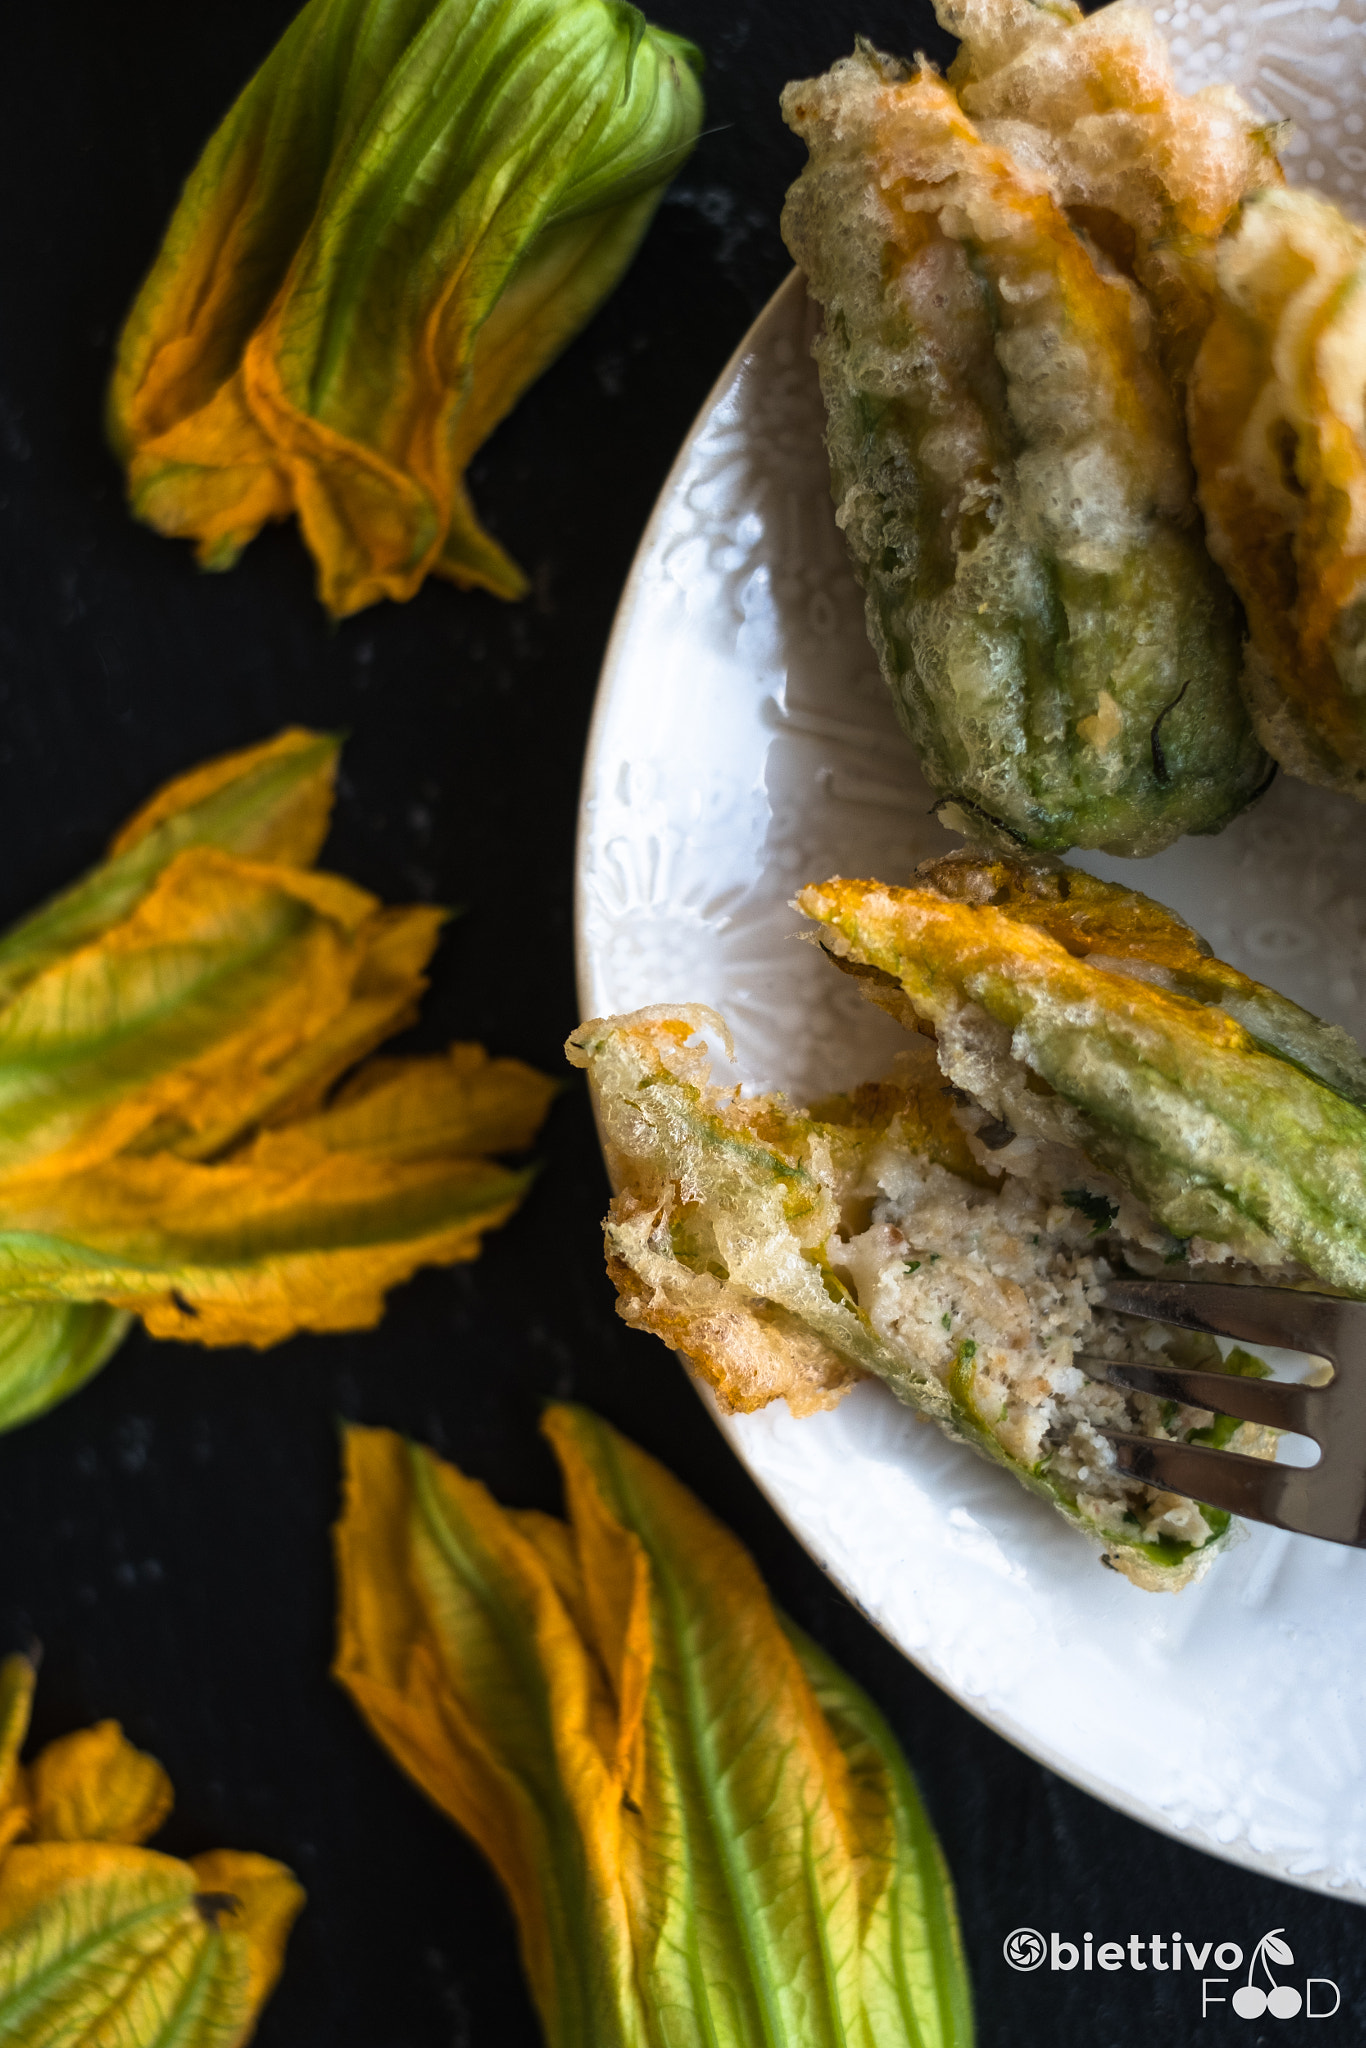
[(1282, 2001)]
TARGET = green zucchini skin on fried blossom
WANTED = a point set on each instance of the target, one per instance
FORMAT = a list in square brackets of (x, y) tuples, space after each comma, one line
[(952, 1239), (735, 1236), (1009, 466), (1235, 1117)]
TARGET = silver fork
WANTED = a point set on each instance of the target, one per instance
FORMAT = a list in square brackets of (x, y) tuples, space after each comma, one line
[(1327, 1499)]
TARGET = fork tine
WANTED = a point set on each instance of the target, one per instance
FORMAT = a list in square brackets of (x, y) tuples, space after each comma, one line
[(1223, 1479), (1327, 1499), (1258, 1315), (1274, 1404)]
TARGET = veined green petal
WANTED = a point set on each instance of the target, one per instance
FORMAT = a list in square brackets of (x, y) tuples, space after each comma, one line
[(457, 1647), (108, 1945), (49, 1349), (173, 1138), (746, 1907), (278, 1239), (697, 1853), (310, 338), (230, 989), (167, 1145), (910, 1940), (103, 1945), (270, 802)]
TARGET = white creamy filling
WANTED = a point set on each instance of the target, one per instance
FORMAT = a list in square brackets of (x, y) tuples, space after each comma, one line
[(997, 1288)]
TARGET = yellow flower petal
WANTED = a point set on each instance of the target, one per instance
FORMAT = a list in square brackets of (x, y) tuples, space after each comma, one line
[(230, 988), (270, 802), (106, 1946), (404, 218), (379, 980), (18, 1676), (458, 1101), (288, 1233), (460, 1653), (705, 1830), (94, 1786), (173, 1138), (281, 791), (267, 1901)]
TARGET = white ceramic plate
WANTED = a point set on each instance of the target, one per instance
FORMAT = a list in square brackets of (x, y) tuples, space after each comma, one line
[(744, 743)]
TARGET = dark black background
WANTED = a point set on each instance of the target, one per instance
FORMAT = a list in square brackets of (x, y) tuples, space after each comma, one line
[(165, 1534)]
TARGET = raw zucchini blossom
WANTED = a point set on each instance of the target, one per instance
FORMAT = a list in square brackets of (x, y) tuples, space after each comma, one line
[(706, 1831), (102, 1939), (408, 213), (185, 1133)]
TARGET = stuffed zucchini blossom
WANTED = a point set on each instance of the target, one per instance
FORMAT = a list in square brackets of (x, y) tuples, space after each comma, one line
[(103, 1940), (408, 213), (1278, 432), (1101, 1096), (1015, 265)]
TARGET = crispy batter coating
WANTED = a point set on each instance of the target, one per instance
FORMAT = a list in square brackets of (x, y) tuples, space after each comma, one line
[(1149, 175), (1114, 926), (1278, 434), (1235, 1116), (1007, 299), (903, 1232)]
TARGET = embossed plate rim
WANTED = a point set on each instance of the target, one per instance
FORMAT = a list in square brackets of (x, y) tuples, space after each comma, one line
[(786, 1496)]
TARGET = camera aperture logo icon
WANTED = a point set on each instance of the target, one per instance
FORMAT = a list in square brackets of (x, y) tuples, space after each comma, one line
[(1024, 1948)]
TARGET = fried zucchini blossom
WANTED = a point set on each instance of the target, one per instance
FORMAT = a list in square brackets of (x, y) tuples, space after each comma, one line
[(706, 1831), (1087, 1092), (102, 1940), (185, 1133), (1097, 1019), (1279, 439), (1016, 267), (408, 213)]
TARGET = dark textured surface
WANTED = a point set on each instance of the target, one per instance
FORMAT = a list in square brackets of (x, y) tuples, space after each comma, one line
[(165, 1534)]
